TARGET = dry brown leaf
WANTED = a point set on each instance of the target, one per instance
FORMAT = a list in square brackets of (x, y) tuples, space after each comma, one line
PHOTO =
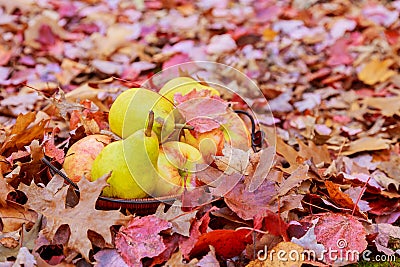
[(233, 161), (265, 162), (23, 132), (14, 215), (319, 154), (5, 188), (181, 221), (389, 106), (81, 218), (294, 180), (366, 144), (289, 153), (176, 261), (376, 71), (385, 181)]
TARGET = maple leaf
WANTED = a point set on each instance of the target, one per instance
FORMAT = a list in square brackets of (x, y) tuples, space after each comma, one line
[(81, 218), (343, 233), (248, 204), (140, 238)]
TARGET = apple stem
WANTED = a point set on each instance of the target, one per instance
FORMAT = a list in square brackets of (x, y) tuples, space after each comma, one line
[(147, 132), (183, 126)]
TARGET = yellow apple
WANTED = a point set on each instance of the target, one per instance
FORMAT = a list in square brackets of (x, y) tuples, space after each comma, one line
[(176, 166)]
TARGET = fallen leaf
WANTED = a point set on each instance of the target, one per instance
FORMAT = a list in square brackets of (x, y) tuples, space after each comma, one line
[(340, 198), (176, 261), (366, 144), (389, 106), (109, 257), (289, 153), (233, 161), (343, 233), (5, 188), (385, 181), (309, 240), (209, 260), (140, 238), (263, 167), (376, 71), (23, 132), (180, 221), (294, 180), (52, 206), (227, 243), (14, 215), (248, 204), (198, 228), (25, 258), (319, 154)]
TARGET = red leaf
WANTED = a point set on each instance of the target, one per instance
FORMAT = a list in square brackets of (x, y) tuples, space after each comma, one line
[(199, 227), (248, 205), (51, 150), (203, 125), (343, 233), (227, 243), (140, 239)]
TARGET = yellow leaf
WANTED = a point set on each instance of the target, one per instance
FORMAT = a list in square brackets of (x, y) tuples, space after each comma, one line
[(376, 71)]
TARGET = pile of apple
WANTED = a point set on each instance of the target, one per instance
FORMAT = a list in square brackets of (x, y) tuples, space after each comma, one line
[(157, 154)]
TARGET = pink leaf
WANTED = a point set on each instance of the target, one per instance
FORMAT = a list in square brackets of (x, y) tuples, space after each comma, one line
[(140, 239)]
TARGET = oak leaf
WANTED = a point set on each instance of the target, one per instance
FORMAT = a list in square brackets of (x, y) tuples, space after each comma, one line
[(180, 220), (81, 218)]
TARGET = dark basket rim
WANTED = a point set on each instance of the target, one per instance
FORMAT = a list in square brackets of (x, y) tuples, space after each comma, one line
[(147, 200)]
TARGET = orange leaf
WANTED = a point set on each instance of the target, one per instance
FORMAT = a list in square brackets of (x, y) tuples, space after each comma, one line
[(338, 196)]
